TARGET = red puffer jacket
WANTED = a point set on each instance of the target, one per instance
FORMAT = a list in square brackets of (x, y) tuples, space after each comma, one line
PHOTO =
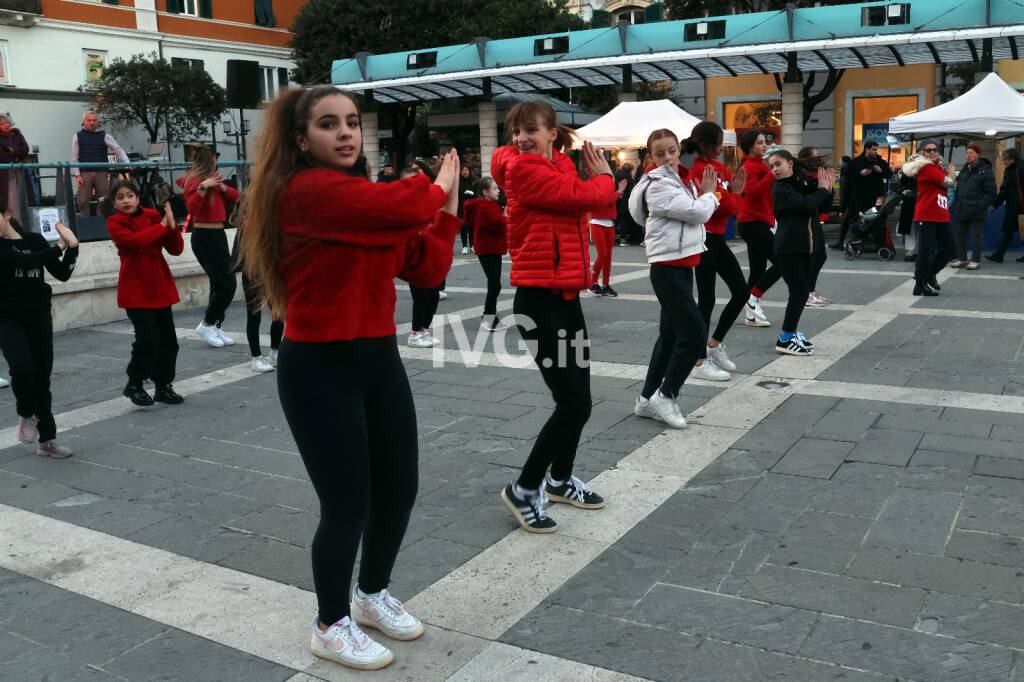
[(548, 205), (728, 203), (756, 204), (490, 235), (145, 281)]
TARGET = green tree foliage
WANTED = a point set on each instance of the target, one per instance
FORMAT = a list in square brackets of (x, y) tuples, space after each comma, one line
[(149, 91), (326, 30)]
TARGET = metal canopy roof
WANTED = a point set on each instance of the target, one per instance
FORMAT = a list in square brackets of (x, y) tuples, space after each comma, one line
[(938, 31)]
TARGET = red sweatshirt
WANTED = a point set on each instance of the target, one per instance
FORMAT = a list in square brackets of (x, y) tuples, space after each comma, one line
[(343, 241), (144, 281), (490, 234), (932, 196), (756, 203), (728, 203), (208, 207)]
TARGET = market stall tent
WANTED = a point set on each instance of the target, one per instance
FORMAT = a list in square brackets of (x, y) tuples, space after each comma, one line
[(630, 123), (991, 108)]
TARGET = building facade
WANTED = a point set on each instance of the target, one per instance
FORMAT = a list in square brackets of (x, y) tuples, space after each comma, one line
[(53, 51)]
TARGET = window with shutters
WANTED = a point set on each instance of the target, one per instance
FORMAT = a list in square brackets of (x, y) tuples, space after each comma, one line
[(186, 63), (273, 79), (632, 15), (195, 8), (264, 12)]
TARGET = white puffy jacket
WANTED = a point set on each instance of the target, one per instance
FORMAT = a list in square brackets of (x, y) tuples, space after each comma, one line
[(672, 214)]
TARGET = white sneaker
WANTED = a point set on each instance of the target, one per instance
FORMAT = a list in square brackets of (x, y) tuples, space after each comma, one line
[(383, 612), (421, 339), (4, 383), (667, 410), (494, 325), (442, 296), (814, 300), (346, 644), (642, 408), (755, 317), (225, 339), (721, 358), (208, 333), (712, 372), (465, 250), (261, 364), (273, 357)]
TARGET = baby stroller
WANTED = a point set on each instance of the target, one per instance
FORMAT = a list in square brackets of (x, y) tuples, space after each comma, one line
[(871, 233)]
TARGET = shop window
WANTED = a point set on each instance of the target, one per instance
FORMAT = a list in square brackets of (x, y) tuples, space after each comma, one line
[(705, 30), (871, 122), (765, 115), (885, 15)]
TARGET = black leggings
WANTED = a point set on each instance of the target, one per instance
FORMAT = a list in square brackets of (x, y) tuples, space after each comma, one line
[(720, 260), (797, 270), (350, 409), (819, 258), (566, 371), (424, 305), (466, 234), (253, 317), (492, 270), (935, 249), (211, 249), (27, 343), (682, 334), (155, 349), (761, 251)]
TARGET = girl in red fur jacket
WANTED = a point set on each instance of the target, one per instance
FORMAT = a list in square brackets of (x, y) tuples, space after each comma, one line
[(324, 245), (547, 237), (146, 290), (490, 243)]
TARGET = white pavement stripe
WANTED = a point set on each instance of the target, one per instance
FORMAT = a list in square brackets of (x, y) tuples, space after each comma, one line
[(916, 396)]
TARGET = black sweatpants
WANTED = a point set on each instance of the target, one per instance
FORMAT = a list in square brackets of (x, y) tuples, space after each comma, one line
[(761, 251), (350, 409), (466, 234), (253, 318), (682, 332), (935, 249), (155, 349), (818, 258), (549, 323), (211, 249), (798, 270), (720, 260), (424, 305), (27, 343), (492, 270)]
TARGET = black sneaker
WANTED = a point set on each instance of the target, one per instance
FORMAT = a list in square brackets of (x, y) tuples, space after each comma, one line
[(792, 347), (910, 258), (596, 289), (137, 394), (934, 284), (608, 291), (574, 492), (924, 290), (166, 394), (804, 340), (994, 259), (838, 246), (529, 511)]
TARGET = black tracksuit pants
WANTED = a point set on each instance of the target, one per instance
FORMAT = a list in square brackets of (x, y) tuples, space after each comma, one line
[(27, 342)]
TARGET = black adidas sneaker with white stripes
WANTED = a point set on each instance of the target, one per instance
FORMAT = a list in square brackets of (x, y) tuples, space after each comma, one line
[(573, 491), (792, 347), (528, 511)]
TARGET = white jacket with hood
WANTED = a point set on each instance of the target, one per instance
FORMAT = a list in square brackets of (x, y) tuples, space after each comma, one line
[(672, 215)]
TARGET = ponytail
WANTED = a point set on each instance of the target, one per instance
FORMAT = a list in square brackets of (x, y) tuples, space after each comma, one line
[(705, 135)]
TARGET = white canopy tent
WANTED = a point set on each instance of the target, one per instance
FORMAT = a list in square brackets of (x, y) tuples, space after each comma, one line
[(991, 108), (630, 123)]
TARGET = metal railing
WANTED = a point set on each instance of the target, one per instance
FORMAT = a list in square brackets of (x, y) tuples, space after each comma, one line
[(42, 185)]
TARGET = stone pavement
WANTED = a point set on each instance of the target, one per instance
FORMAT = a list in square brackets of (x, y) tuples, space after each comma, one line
[(858, 515)]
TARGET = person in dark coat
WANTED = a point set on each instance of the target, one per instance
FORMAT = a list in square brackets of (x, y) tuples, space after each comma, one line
[(975, 193), (908, 190), (866, 176), (13, 148), (1011, 193)]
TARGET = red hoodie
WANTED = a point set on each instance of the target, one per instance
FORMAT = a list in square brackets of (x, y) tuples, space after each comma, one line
[(756, 203), (208, 208), (343, 241), (932, 196), (490, 237), (728, 203), (144, 281)]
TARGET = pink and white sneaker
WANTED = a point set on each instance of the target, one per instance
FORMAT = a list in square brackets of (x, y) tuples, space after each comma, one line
[(383, 612), (346, 644), (28, 429)]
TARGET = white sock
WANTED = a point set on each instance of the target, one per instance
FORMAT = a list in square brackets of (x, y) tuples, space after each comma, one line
[(363, 595), (753, 301), (552, 482), (523, 493)]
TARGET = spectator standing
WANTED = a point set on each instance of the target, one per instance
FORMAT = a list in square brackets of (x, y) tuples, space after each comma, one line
[(908, 190), (975, 193), (866, 176), (1011, 193), (91, 144), (13, 148)]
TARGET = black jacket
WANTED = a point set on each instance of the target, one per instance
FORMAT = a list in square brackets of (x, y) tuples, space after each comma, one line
[(908, 190), (865, 189), (798, 203), (22, 286), (1010, 194), (975, 191)]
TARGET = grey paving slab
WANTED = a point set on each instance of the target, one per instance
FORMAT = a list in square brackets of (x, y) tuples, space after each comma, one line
[(772, 435), (916, 521), (972, 446), (724, 617), (886, 446), (837, 595), (946, 427), (982, 416), (723, 560), (906, 410), (943, 471), (996, 486), (813, 457), (843, 426), (992, 515), (975, 620), (989, 548), (905, 654), (820, 541)]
